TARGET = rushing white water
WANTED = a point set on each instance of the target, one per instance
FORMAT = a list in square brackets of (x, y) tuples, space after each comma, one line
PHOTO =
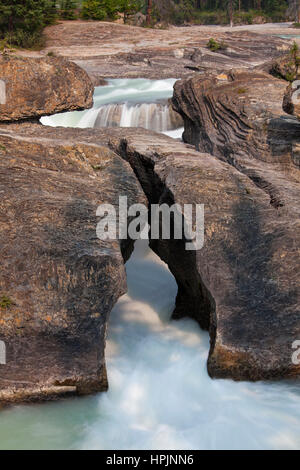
[(160, 395), (126, 103)]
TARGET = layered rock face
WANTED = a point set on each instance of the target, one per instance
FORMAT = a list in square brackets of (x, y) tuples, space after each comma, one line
[(31, 88), (291, 100), (238, 117)]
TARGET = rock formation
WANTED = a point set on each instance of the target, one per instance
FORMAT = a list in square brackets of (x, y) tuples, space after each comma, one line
[(30, 88), (59, 282), (238, 117), (243, 285), (291, 99)]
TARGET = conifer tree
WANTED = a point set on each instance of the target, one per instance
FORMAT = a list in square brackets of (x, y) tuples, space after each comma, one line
[(21, 21)]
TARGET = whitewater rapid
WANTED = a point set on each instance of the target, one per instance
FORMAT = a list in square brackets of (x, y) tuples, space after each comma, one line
[(160, 395), (126, 103)]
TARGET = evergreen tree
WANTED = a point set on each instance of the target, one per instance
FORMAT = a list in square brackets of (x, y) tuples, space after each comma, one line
[(22, 21), (99, 9), (67, 9), (129, 8)]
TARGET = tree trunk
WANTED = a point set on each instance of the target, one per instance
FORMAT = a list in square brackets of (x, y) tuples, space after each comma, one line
[(149, 12), (230, 12)]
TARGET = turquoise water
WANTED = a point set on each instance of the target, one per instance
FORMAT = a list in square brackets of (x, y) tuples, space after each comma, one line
[(160, 395), (289, 36)]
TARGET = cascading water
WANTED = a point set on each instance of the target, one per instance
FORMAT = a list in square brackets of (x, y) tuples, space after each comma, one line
[(152, 116), (127, 103), (160, 395)]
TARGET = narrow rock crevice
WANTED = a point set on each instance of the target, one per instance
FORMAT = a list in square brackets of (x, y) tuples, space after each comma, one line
[(193, 299)]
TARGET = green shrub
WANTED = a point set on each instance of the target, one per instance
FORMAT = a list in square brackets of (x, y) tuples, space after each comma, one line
[(5, 302), (129, 8), (24, 39), (215, 46), (288, 70)]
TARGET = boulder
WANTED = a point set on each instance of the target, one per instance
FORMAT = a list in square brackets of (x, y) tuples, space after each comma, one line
[(34, 87)]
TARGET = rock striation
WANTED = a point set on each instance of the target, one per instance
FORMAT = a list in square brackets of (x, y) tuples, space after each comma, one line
[(113, 50), (238, 117)]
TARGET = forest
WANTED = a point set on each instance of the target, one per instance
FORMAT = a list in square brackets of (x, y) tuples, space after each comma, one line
[(22, 21)]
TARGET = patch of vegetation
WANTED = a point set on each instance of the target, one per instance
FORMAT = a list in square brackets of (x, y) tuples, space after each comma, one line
[(4, 47), (241, 91), (3, 148), (289, 70), (210, 17), (215, 46), (293, 65), (296, 25), (67, 10), (212, 12), (97, 167), (110, 9), (97, 10), (22, 21), (5, 302)]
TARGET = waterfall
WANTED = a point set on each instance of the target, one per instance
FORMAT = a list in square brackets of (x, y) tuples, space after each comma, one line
[(127, 103), (153, 116)]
